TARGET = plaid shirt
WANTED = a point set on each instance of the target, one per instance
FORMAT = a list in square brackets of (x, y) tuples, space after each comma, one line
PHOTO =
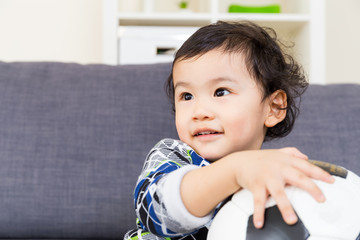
[(160, 211)]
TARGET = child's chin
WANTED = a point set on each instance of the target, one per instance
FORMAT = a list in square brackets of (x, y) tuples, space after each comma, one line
[(211, 157)]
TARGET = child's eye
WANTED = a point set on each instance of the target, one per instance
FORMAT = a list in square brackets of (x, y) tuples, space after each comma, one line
[(186, 96), (221, 92)]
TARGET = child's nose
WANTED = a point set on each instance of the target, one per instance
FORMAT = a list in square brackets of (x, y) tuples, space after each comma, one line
[(203, 112)]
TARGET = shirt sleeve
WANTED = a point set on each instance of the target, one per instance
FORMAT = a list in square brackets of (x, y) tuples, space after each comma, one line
[(158, 202)]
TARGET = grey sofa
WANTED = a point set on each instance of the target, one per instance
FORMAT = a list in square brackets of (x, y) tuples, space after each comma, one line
[(73, 139)]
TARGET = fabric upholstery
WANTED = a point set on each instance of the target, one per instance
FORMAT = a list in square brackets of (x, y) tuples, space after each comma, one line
[(72, 142), (328, 126), (73, 139)]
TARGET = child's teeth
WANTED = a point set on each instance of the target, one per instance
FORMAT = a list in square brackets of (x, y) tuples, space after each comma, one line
[(204, 133)]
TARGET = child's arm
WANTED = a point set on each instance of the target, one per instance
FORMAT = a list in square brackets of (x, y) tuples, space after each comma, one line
[(263, 172), (157, 194)]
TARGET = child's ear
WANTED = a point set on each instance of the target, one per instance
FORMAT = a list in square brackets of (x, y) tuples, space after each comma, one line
[(277, 108)]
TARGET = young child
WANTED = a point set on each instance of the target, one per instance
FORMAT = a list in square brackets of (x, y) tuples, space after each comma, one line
[(232, 87)]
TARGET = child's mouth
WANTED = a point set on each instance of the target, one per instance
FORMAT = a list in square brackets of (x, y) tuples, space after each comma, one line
[(205, 133)]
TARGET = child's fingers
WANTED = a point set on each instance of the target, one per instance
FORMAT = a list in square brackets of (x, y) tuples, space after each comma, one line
[(283, 203), (260, 197), (294, 152), (313, 171), (302, 181)]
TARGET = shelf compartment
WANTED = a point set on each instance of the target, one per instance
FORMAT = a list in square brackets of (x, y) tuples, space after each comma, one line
[(164, 19)]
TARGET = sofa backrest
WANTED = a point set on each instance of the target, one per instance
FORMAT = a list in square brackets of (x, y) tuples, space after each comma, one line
[(73, 139), (328, 126)]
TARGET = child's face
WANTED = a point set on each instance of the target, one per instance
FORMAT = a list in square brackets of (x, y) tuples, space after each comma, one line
[(219, 107)]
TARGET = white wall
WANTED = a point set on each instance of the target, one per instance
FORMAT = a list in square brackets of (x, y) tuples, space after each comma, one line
[(343, 41), (70, 31), (50, 30)]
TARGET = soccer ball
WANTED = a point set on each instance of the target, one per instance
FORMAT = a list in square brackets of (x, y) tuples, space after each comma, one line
[(337, 218)]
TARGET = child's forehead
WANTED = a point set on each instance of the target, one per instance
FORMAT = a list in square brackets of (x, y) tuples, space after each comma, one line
[(212, 68), (216, 62), (216, 53)]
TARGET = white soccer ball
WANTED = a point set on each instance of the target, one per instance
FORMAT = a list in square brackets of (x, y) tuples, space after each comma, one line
[(337, 218)]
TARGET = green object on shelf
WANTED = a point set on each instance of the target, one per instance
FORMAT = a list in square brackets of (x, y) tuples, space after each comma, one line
[(234, 8), (183, 4)]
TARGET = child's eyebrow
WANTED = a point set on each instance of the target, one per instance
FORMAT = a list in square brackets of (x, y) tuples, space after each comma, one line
[(222, 79), (213, 81), (181, 84)]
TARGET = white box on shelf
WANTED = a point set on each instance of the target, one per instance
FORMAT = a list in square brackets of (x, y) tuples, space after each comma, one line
[(150, 44)]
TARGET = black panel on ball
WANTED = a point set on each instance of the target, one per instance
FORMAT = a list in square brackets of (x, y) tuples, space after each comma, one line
[(275, 228)]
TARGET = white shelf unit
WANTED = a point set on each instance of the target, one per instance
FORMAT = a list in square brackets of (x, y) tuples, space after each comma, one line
[(301, 22)]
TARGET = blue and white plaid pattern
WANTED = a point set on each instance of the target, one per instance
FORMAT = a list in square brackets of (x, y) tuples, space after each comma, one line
[(167, 156)]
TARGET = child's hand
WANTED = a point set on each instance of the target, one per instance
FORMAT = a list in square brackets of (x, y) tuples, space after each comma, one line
[(267, 172)]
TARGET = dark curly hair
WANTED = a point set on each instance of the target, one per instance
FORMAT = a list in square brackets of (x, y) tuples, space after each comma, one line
[(265, 59)]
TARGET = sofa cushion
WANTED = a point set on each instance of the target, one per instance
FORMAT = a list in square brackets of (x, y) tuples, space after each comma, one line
[(328, 127), (73, 139)]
